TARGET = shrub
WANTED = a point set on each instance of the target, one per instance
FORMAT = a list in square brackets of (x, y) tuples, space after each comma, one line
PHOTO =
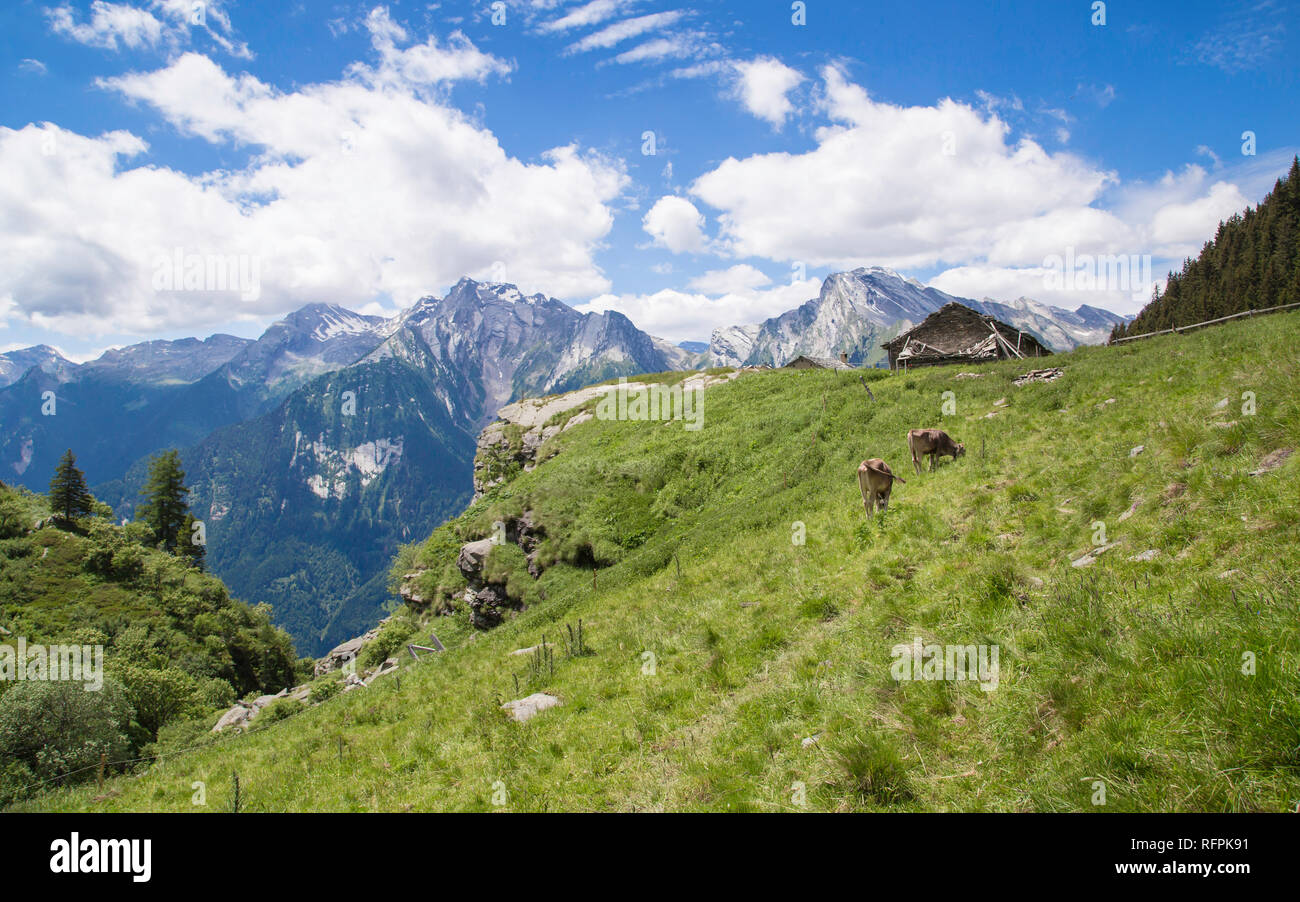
[(216, 693), (278, 710), (391, 638), (325, 690), (56, 728), (159, 696)]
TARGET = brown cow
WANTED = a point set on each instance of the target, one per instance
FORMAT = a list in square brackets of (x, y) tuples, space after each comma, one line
[(876, 479), (934, 442)]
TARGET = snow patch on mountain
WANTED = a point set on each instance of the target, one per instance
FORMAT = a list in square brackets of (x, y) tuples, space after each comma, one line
[(856, 311)]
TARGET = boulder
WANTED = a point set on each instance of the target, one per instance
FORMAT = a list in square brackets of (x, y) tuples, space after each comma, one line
[(485, 608), (1090, 558), (524, 709), (342, 653), (389, 665), (410, 593), (238, 715), (472, 557)]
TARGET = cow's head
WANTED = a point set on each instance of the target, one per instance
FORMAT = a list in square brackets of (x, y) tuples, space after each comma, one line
[(958, 451)]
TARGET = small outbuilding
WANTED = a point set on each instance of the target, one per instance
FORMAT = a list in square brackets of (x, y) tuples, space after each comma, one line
[(804, 362), (957, 334)]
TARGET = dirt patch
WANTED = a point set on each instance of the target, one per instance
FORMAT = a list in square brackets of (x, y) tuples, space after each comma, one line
[(1272, 460)]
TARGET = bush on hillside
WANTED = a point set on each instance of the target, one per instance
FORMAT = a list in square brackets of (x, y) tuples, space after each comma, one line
[(56, 728)]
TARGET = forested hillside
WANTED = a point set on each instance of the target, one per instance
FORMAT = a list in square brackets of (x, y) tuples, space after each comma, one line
[(176, 646), (1252, 263)]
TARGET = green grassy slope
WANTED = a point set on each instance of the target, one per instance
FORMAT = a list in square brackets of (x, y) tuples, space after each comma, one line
[(1128, 674)]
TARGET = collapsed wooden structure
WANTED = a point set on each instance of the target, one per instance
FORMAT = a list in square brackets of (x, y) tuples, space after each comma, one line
[(805, 362), (957, 334)]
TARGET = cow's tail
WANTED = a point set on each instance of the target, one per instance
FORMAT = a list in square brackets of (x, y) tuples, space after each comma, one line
[(880, 472)]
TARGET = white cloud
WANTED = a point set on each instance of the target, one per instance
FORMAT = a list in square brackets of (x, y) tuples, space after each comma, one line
[(762, 86), (684, 315), (879, 187), (739, 278), (1246, 40), (114, 26), (627, 28), (947, 186), (1167, 221), (677, 45), (427, 63), (110, 26), (675, 223), (367, 189), (1036, 282), (33, 67), (588, 14)]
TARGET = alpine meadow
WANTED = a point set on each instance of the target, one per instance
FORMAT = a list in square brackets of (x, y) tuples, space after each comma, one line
[(626, 407)]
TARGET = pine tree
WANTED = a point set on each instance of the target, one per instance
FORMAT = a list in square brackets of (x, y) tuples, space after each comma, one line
[(164, 509), (69, 497), (187, 546)]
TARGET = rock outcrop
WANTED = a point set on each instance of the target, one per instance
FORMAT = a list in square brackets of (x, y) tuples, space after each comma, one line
[(241, 712), (522, 428), (344, 652)]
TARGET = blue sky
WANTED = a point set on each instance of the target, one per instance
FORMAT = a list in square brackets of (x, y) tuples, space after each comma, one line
[(367, 154)]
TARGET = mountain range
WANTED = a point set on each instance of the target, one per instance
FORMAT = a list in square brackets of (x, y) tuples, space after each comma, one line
[(858, 310), (315, 450)]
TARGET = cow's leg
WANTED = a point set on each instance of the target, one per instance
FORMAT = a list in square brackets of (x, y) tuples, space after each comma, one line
[(866, 497), (934, 457), (884, 500), (875, 497)]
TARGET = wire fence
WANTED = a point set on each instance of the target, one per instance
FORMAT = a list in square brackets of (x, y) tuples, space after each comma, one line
[(1208, 322)]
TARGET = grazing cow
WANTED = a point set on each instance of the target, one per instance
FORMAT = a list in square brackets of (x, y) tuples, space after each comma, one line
[(934, 442), (876, 479)]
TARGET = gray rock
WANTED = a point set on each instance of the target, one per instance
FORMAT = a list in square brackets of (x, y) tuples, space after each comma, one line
[(1149, 555), (524, 709), (238, 715), (1131, 511), (342, 653), (1091, 557), (472, 557), (389, 665), (529, 650)]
